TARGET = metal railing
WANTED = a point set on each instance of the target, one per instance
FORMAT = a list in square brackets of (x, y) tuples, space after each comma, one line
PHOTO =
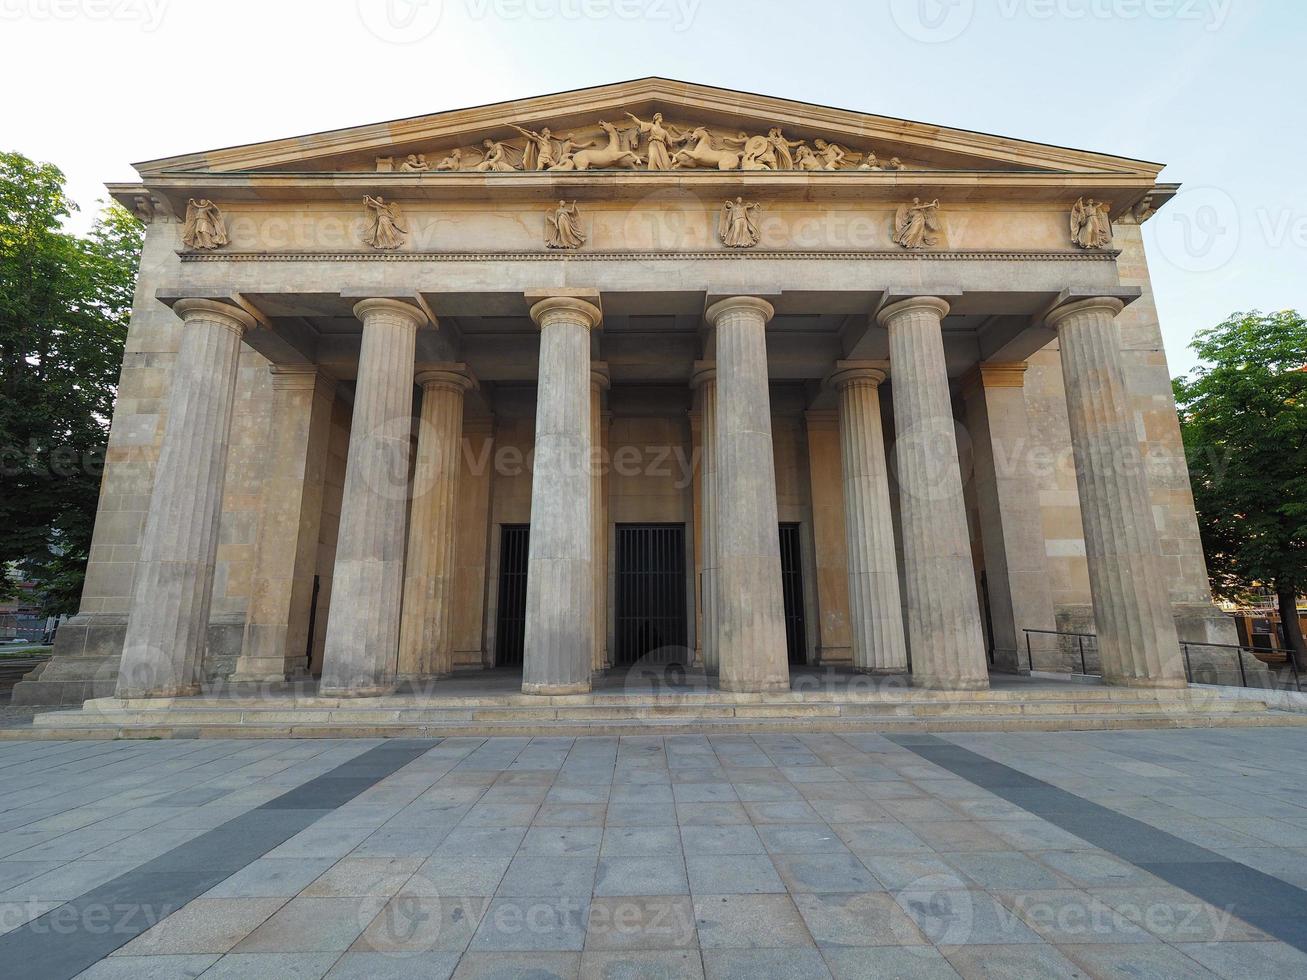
[(1080, 643), (1185, 646)]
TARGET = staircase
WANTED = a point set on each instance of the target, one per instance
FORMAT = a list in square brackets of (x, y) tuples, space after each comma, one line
[(1019, 707)]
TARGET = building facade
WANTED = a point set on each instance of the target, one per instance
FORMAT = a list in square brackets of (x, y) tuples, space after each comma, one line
[(650, 372)]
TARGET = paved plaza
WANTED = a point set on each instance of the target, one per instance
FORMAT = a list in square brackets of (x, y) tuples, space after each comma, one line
[(1105, 854)]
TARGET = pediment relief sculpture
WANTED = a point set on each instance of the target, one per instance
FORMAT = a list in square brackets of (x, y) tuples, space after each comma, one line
[(917, 225), (652, 144), (563, 227), (737, 226), (1091, 224), (384, 228), (204, 228)]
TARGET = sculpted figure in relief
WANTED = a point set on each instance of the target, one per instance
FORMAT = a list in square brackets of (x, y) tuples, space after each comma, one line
[(659, 137), (384, 229), (541, 149), (588, 155), (832, 154), (452, 162), (563, 227), (805, 159), (415, 161), (736, 225), (781, 158), (915, 225), (1091, 224), (204, 226), (702, 152), (495, 159)]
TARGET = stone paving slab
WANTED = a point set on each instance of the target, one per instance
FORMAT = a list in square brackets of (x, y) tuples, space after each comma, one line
[(1101, 854)]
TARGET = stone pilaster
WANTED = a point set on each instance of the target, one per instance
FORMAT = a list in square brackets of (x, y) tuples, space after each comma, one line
[(704, 382), (425, 628), (943, 615), (599, 383), (362, 642), (751, 614), (829, 539), (1011, 528), (281, 592), (560, 631), (875, 605), (1132, 609), (163, 653)]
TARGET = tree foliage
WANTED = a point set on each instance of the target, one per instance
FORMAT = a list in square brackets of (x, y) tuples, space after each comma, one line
[(64, 306), (1243, 415)]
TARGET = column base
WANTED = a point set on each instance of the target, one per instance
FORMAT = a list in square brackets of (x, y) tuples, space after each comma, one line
[(884, 671), (377, 691), (549, 690), (950, 683)]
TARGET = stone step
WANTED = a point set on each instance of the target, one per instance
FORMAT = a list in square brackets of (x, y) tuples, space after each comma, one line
[(261, 728), (189, 715)]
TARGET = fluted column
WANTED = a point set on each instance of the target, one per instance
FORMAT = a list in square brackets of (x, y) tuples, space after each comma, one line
[(163, 653), (704, 382), (875, 605), (599, 383), (1132, 610), (425, 623), (281, 593), (943, 614), (751, 647), (559, 643), (362, 643)]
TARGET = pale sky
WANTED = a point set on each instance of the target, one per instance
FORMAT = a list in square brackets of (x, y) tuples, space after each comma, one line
[(1211, 87)]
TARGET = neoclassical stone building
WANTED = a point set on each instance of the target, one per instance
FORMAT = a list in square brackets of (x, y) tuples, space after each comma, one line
[(651, 371)]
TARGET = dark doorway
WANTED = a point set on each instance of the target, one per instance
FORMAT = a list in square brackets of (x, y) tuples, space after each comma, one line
[(796, 632), (510, 634), (650, 592)]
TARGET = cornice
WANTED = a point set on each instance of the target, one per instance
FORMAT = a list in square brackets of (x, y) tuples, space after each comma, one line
[(739, 255)]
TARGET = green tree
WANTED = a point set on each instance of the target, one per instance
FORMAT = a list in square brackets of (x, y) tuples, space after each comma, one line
[(1243, 414), (64, 306)]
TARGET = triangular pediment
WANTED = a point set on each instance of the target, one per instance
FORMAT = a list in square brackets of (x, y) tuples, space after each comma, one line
[(712, 128)]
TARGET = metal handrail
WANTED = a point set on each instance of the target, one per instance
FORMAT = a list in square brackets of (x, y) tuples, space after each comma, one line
[(1184, 649)]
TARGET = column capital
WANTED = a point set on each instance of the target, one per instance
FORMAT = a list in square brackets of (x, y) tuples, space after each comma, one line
[(912, 304), (231, 317), (599, 376), (704, 372), (371, 307), (566, 309), (734, 304), (448, 377), (858, 372), (1107, 306), (995, 374)]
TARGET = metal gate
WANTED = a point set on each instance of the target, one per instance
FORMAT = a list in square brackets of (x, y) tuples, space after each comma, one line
[(510, 634), (796, 633), (650, 594)]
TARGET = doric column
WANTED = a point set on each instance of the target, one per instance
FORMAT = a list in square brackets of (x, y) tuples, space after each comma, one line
[(424, 629), (944, 634), (875, 606), (1132, 610), (704, 382), (1011, 530), (599, 383), (362, 643), (163, 653), (751, 614), (281, 589), (559, 641)]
